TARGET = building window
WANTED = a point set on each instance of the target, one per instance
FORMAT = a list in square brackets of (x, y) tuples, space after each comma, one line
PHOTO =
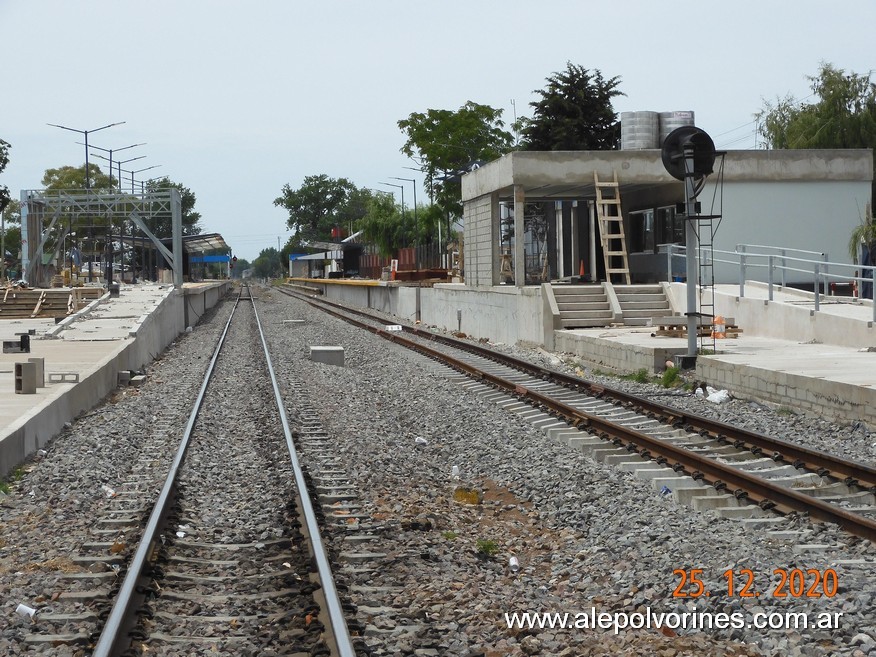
[(642, 231), (670, 227)]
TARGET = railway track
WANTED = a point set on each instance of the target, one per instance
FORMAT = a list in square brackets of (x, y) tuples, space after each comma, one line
[(230, 559), (739, 472)]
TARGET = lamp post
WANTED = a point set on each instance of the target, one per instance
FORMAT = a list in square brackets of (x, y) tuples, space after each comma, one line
[(114, 150), (154, 166), (85, 132), (416, 224), (401, 187), (72, 236), (119, 164)]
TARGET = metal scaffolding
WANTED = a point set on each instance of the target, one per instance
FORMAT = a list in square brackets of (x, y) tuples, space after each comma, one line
[(44, 210)]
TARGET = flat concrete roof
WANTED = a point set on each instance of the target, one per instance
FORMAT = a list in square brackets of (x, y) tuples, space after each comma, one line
[(555, 175)]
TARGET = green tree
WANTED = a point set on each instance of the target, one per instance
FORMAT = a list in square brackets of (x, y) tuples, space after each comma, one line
[(73, 178), (574, 112), (268, 264), (5, 198), (447, 143), (163, 226), (320, 204), (842, 115), (384, 225), (12, 234)]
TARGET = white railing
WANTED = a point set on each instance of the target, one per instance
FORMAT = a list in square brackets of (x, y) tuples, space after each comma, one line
[(749, 256)]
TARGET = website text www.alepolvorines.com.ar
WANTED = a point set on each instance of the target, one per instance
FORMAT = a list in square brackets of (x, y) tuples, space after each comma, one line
[(686, 620)]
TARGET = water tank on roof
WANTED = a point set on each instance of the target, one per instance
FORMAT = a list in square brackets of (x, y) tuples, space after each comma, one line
[(669, 121), (639, 130)]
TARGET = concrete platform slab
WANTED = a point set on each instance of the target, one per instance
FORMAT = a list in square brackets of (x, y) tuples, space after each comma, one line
[(89, 349)]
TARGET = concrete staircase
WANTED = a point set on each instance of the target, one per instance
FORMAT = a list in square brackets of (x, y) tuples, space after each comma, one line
[(640, 303), (581, 306)]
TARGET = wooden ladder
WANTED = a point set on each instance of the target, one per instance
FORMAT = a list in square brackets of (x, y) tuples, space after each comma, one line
[(611, 229)]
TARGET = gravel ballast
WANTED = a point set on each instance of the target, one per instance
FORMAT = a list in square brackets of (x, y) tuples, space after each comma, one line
[(585, 535)]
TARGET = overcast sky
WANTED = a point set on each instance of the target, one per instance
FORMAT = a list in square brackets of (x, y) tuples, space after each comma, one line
[(235, 99)]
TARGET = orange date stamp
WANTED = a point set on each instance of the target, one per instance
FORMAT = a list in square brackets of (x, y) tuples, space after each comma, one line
[(792, 583)]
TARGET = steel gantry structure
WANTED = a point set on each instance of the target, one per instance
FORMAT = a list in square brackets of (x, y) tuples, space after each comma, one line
[(44, 210)]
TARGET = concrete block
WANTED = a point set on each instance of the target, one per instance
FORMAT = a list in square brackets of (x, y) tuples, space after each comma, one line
[(20, 346), (124, 377), (327, 355), (139, 380), (63, 377), (40, 371), (25, 378)]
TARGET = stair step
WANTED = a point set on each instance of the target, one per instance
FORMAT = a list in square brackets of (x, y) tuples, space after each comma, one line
[(571, 307), (658, 310), (588, 314), (585, 323), (642, 297), (578, 290), (632, 314)]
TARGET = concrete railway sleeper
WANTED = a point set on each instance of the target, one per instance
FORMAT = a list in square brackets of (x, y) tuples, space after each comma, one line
[(740, 472)]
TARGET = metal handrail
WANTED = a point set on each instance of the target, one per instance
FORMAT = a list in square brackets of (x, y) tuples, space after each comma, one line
[(819, 268)]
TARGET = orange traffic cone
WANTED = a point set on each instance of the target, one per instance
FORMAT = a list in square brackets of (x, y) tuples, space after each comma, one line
[(581, 271), (719, 329)]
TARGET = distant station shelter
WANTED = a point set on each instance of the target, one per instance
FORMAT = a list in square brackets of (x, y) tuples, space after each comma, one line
[(536, 217)]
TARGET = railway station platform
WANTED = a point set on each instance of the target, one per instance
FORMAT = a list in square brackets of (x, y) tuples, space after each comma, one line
[(788, 354), (76, 362)]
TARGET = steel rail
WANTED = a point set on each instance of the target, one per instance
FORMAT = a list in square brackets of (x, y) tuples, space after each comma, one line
[(342, 638), (775, 448), (699, 467), (112, 640)]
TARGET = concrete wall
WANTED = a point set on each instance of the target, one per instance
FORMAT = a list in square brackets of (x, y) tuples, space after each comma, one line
[(818, 397), (621, 357), (199, 300), (500, 314), (810, 215), (480, 240), (757, 316)]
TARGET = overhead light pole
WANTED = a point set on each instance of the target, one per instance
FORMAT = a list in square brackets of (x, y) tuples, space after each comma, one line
[(154, 166), (119, 164), (86, 132), (402, 188), (115, 150), (416, 224)]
